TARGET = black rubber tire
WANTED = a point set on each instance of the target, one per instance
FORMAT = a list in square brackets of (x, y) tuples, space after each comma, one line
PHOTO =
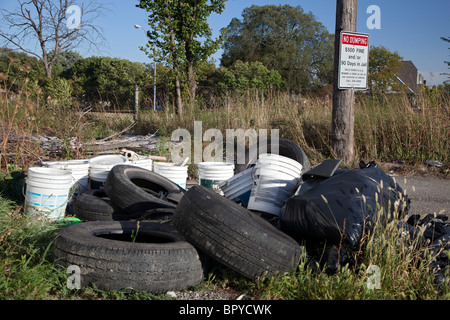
[(234, 236), (163, 262), (94, 205), (135, 190), (286, 148)]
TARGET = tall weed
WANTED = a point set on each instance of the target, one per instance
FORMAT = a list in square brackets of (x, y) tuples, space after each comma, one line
[(388, 128), (26, 270), (387, 264)]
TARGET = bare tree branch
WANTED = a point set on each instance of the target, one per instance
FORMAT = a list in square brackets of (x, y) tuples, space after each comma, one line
[(40, 28)]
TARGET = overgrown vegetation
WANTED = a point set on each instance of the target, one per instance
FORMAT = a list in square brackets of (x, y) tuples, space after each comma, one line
[(72, 98), (28, 270), (388, 128)]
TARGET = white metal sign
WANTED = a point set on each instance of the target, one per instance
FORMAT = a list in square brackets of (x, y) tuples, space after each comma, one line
[(353, 60)]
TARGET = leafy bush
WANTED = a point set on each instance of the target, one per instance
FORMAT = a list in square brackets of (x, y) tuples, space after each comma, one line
[(244, 75)]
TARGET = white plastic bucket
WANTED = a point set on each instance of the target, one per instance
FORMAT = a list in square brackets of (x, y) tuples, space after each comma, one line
[(239, 186), (79, 169), (47, 192), (177, 174), (142, 162), (100, 166), (291, 165), (276, 179), (211, 174)]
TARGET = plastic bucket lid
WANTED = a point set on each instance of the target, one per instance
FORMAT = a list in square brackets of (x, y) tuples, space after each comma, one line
[(233, 194), (240, 177)]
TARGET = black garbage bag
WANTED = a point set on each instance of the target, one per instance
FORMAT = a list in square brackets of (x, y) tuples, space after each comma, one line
[(432, 230), (334, 206)]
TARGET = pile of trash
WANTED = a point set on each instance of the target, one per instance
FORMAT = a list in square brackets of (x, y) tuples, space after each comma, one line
[(143, 228)]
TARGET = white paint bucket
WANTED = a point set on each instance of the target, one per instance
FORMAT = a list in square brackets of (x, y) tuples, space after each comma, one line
[(293, 166), (211, 174), (142, 162), (239, 186), (100, 166), (177, 174), (276, 180), (79, 169), (47, 192)]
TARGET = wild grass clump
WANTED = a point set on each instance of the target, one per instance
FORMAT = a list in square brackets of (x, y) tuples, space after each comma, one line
[(27, 266), (26, 270), (387, 264), (390, 127), (403, 127)]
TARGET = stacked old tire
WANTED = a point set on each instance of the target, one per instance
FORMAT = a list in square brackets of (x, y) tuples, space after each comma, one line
[(143, 232), (233, 235), (123, 243)]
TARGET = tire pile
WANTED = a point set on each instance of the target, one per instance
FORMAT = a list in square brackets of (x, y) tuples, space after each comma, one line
[(144, 232)]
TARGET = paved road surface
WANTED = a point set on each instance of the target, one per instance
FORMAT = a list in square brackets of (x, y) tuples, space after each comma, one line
[(428, 194)]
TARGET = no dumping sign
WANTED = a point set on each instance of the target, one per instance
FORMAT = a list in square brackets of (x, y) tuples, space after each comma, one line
[(353, 60)]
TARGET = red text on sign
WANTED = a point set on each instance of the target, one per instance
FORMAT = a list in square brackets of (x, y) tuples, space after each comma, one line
[(355, 40)]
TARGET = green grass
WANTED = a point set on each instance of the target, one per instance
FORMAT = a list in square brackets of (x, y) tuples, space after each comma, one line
[(27, 268), (387, 128), (28, 271), (405, 271)]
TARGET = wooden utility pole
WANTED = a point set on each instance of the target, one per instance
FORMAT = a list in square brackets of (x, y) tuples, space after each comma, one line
[(342, 128)]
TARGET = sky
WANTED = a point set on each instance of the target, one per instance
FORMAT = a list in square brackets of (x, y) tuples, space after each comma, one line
[(412, 28)]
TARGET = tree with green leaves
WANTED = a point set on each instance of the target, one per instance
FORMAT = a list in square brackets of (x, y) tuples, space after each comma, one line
[(180, 36), (65, 61), (247, 75), (108, 79), (384, 67), (285, 39), (39, 26), (18, 68)]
